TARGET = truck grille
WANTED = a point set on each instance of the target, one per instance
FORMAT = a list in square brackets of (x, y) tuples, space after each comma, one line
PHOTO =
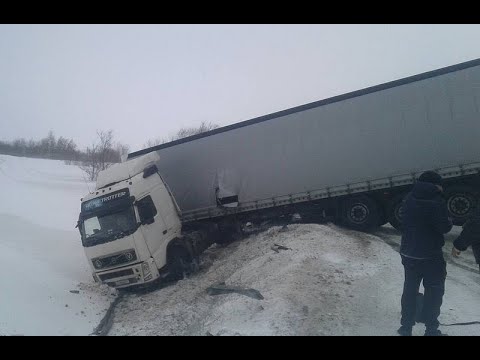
[(115, 259), (116, 274)]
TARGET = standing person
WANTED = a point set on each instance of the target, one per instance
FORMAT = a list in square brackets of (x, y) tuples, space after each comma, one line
[(425, 220), (470, 236)]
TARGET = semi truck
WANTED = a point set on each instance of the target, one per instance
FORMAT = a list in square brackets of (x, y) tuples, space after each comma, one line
[(350, 159)]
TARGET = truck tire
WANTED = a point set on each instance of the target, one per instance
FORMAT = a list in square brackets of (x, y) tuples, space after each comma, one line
[(360, 213), (461, 200), (179, 263), (228, 233), (394, 211)]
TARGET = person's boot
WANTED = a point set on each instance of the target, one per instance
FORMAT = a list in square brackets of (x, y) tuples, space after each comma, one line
[(434, 332), (405, 331)]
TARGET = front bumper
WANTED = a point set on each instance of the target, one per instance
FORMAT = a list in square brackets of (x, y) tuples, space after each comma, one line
[(136, 274)]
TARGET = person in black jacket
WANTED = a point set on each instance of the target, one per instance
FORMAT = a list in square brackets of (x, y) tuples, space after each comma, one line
[(470, 236), (425, 220)]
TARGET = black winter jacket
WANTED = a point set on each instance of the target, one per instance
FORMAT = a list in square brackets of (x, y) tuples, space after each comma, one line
[(425, 220), (470, 235)]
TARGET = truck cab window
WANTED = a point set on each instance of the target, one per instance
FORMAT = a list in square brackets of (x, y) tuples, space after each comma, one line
[(146, 209)]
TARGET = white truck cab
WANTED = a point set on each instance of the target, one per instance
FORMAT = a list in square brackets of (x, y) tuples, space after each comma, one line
[(128, 222)]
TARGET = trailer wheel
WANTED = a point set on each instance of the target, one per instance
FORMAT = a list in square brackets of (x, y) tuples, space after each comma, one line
[(394, 211), (461, 201), (360, 213)]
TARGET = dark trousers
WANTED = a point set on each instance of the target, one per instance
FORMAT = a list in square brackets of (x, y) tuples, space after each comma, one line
[(433, 273)]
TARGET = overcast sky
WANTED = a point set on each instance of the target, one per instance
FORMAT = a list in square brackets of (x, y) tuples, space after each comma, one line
[(147, 81)]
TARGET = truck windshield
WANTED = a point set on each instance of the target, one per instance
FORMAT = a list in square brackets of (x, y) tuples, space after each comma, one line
[(108, 226)]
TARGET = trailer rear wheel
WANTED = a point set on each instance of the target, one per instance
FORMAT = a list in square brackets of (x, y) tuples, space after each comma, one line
[(461, 201), (360, 213), (394, 211)]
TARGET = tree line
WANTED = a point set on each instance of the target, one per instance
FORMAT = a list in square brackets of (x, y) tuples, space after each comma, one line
[(182, 133), (49, 147), (103, 152)]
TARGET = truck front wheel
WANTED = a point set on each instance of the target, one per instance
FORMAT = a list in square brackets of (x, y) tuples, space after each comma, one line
[(179, 263), (360, 213)]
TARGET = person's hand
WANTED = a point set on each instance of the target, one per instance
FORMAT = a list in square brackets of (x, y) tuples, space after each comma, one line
[(455, 252)]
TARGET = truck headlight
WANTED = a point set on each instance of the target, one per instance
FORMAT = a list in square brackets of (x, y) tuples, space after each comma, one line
[(146, 269)]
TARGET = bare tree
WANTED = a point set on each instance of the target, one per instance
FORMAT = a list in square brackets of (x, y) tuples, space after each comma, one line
[(122, 150), (190, 131), (20, 146), (154, 142), (107, 154), (47, 145), (90, 164), (100, 155), (182, 133)]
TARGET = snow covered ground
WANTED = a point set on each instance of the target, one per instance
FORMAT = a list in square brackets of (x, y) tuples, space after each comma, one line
[(41, 257), (332, 281)]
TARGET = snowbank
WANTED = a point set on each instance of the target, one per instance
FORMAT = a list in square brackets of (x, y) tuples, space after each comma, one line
[(41, 257), (331, 282)]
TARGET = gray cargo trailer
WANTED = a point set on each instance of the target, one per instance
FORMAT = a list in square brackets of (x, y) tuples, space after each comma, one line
[(352, 157)]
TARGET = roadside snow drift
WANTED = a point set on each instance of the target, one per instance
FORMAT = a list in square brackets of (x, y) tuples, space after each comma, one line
[(41, 256), (330, 281)]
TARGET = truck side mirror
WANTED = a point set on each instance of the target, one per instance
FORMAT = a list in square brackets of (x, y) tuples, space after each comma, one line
[(79, 227)]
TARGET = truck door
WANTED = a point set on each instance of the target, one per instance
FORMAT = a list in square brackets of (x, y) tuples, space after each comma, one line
[(166, 207), (153, 226)]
